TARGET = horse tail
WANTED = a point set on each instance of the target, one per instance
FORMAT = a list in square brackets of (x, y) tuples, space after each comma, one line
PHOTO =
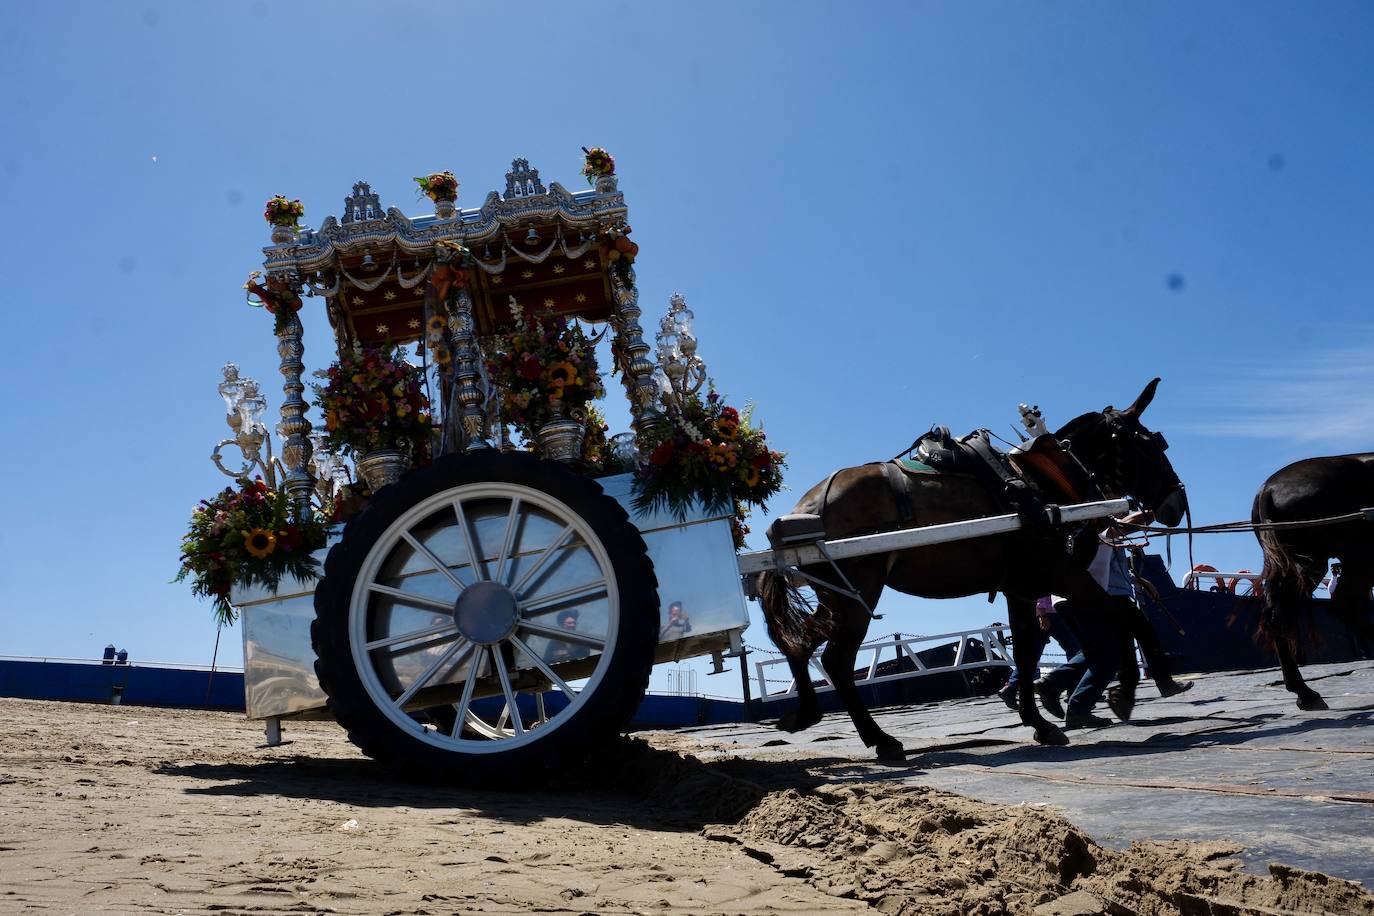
[(1283, 577), (791, 626)]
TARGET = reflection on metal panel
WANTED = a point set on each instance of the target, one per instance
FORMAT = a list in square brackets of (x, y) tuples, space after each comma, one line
[(693, 559), (278, 660)]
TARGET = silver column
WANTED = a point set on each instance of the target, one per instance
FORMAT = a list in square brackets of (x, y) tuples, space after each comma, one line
[(294, 427), (637, 372), (468, 397)]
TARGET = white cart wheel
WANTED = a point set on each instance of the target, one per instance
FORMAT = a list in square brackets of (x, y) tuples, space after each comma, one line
[(485, 619)]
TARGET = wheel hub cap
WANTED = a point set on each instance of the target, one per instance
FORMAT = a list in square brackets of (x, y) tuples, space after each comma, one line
[(486, 612)]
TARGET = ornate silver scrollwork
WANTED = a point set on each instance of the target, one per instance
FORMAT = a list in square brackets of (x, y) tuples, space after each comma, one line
[(244, 408), (684, 372), (330, 470)]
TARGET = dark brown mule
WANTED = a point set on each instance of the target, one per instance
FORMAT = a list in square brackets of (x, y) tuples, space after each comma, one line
[(1121, 455), (1295, 558)]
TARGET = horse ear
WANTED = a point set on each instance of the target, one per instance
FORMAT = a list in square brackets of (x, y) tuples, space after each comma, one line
[(1143, 401)]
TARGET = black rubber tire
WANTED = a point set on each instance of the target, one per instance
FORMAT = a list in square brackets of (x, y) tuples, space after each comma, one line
[(599, 717)]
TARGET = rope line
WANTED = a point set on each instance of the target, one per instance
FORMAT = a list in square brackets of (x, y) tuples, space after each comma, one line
[(1363, 515)]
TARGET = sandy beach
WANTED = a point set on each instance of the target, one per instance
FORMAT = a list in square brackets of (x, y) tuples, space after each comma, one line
[(128, 809)]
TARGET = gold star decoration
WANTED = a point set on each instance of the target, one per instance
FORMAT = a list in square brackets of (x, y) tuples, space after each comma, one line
[(527, 275), (383, 329), (357, 300), (413, 324), (497, 279), (389, 296), (589, 264), (580, 297), (559, 268), (548, 303)]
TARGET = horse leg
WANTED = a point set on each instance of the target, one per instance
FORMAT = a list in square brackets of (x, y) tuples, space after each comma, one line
[(838, 659), (1024, 651), (1281, 604), (807, 712)]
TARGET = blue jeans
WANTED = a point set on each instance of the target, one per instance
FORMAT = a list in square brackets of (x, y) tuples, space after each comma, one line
[(1062, 635), (1089, 670)]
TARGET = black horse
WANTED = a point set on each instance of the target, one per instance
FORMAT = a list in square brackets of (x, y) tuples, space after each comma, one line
[(1295, 558), (1121, 457)]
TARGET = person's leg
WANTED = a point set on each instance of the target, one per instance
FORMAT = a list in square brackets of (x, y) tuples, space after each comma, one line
[(1008, 692), (1098, 631), (1156, 659), (1064, 678)]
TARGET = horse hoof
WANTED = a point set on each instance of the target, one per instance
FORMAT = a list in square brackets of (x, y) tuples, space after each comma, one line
[(793, 721), (1051, 735), (891, 752), (1313, 703)]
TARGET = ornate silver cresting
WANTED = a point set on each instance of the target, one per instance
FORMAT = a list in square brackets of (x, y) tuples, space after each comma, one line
[(523, 181), (683, 372), (294, 428), (636, 371), (363, 205), (244, 408)]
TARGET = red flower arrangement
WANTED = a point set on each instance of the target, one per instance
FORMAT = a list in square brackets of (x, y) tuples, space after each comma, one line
[(282, 212), (598, 162), (246, 536), (277, 297), (373, 399), (438, 186), (708, 452), (543, 365)]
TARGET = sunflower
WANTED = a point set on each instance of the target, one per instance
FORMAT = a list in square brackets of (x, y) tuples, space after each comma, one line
[(750, 475), (437, 323), (562, 374), (727, 427), (259, 542)]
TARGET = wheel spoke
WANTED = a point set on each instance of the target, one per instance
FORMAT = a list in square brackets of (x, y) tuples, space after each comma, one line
[(474, 668), (479, 564), (443, 629), (439, 565), (528, 575), (540, 714), (571, 636), (546, 602), (429, 672), (508, 541), (546, 671), (504, 677), (412, 599)]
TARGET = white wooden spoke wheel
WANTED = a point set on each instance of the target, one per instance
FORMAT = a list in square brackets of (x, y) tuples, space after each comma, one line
[(485, 619)]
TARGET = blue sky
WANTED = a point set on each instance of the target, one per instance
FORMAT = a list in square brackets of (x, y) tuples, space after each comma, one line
[(884, 217)]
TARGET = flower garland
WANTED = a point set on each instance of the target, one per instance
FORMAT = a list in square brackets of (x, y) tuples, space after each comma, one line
[(282, 212), (277, 297), (246, 536), (438, 186), (705, 451), (373, 399), (598, 162), (544, 365)]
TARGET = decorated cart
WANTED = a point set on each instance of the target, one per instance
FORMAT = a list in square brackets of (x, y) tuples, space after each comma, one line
[(474, 609), (461, 567)]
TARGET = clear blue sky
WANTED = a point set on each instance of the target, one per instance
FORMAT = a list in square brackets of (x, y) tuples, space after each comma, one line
[(884, 216)]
